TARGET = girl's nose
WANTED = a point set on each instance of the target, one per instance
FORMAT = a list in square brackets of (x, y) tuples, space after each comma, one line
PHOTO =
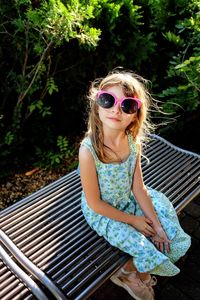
[(116, 108)]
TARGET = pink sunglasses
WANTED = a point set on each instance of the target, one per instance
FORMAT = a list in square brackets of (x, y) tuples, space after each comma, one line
[(129, 105)]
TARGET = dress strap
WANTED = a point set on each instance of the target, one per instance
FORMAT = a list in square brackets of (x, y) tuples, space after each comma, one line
[(132, 144), (88, 144)]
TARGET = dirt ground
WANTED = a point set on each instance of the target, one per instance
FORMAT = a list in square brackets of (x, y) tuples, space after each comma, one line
[(22, 184)]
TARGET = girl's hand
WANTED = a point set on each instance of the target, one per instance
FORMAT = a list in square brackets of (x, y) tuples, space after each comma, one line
[(161, 240), (143, 225)]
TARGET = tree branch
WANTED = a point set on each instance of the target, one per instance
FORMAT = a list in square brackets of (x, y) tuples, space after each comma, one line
[(22, 95)]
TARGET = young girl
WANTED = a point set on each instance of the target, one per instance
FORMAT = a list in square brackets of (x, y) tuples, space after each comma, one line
[(115, 202)]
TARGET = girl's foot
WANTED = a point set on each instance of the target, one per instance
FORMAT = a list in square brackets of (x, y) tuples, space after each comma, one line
[(132, 284)]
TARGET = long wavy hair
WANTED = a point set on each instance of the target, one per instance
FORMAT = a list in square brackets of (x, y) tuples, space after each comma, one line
[(132, 85)]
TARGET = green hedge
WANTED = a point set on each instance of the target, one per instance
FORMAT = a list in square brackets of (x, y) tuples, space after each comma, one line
[(51, 50)]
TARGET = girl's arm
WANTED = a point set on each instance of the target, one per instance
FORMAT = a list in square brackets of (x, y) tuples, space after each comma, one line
[(141, 194), (91, 190)]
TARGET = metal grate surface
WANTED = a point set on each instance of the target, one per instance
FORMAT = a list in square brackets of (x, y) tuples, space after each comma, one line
[(49, 228), (11, 286)]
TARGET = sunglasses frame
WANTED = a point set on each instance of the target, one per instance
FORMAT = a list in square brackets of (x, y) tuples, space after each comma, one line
[(117, 100)]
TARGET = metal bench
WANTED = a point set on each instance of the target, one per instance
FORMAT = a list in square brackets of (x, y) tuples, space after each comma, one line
[(49, 252)]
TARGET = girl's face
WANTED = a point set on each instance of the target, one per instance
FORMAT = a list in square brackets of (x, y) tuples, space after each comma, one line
[(114, 117)]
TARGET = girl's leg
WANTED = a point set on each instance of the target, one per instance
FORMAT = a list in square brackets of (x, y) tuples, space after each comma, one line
[(130, 267), (127, 277)]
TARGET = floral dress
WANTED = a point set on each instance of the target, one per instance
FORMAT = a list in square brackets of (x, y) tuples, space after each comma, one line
[(115, 182)]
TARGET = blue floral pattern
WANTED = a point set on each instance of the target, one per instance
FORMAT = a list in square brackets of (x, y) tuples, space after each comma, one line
[(115, 181)]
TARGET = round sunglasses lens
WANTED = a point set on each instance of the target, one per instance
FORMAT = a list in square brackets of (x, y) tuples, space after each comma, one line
[(129, 106), (105, 100)]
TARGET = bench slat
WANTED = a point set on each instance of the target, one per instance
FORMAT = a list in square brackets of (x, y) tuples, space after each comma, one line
[(15, 288)]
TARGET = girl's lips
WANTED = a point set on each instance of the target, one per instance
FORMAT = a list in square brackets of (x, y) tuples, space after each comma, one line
[(114, 119)]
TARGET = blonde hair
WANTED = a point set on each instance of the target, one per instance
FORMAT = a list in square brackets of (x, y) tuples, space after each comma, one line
[(132, 85)]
